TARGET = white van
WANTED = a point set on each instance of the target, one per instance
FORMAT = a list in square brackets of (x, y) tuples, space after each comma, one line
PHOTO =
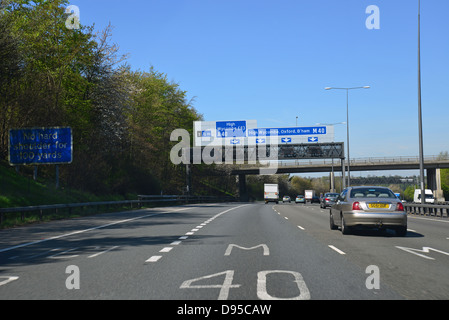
[(429, 196)]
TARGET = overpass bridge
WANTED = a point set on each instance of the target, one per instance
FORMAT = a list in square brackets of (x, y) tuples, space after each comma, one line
[(306, 158), (357, 164), (432, 166)]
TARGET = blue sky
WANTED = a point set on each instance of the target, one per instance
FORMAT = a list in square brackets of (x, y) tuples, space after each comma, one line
[(270, 61)]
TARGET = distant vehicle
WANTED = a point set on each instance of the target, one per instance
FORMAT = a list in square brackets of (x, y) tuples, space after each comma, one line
[(300, 199), (428, 199), (271, 193), (286, 199), (369, 207), (309, 194), (328, 199), (397, 194)]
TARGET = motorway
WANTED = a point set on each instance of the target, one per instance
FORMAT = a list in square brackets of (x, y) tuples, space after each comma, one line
[(229, 251)]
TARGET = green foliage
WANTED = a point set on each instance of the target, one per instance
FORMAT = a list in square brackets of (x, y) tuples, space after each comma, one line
[(121, 119)]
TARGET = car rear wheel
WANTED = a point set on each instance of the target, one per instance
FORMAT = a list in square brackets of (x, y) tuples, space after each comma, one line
[(344, 227)]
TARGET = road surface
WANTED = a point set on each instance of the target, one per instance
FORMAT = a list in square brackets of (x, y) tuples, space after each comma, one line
[(230, 251)]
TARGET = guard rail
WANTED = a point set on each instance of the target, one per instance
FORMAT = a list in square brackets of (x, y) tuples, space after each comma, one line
[(41, 209), (437, 210)]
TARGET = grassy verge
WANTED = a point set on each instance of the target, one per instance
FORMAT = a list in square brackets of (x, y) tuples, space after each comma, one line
[(20, 190)]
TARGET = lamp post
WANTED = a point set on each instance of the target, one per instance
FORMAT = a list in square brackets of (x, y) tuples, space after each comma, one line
[(421, 152), (332, 179), (347, 122)]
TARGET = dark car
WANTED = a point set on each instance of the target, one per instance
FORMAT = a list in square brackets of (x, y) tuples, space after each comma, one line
[(328, 199)]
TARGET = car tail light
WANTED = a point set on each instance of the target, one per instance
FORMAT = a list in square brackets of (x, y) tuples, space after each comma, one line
[(327, 199), (400, 207), (356, 206)]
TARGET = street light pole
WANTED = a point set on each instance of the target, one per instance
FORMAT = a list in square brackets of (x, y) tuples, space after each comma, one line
[(332, 188), (421, 152), (347, 122)]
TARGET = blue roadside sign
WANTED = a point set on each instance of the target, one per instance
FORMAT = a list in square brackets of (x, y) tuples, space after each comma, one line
[(231, 129), (35, 146)]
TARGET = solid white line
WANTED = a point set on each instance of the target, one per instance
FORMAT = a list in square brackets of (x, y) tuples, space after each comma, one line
[(89, 229), (166, 249), (153, 259), (336, 249), (429, 219)]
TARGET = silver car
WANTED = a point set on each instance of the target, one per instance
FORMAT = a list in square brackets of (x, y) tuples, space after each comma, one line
[(328, 199), (368, 206)]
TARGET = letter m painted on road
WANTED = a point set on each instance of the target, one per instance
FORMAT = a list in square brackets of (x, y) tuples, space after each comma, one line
[(424, 250), (266, 251)]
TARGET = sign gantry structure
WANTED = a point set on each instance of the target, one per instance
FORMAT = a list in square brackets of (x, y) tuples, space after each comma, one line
[(241, 148)]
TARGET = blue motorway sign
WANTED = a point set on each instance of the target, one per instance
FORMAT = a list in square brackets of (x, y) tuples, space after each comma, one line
[(228, 129), (40, 146), (295, 131)]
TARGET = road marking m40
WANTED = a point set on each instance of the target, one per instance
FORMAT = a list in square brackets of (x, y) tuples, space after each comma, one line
[(424, 250)]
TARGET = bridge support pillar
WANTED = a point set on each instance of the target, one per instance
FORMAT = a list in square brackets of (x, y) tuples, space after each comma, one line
[(434, 183), (243, 191)]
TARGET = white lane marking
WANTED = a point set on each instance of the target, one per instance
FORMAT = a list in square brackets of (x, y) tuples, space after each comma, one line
[(175, 243), (301, 228), (89, 229), (336, 249), (100, 253), (429, 219), (153, 259), (285, 218), (191, 232), (8, 279)]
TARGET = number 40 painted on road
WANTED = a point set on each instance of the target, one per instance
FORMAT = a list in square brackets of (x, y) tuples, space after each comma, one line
[(262, 293)]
